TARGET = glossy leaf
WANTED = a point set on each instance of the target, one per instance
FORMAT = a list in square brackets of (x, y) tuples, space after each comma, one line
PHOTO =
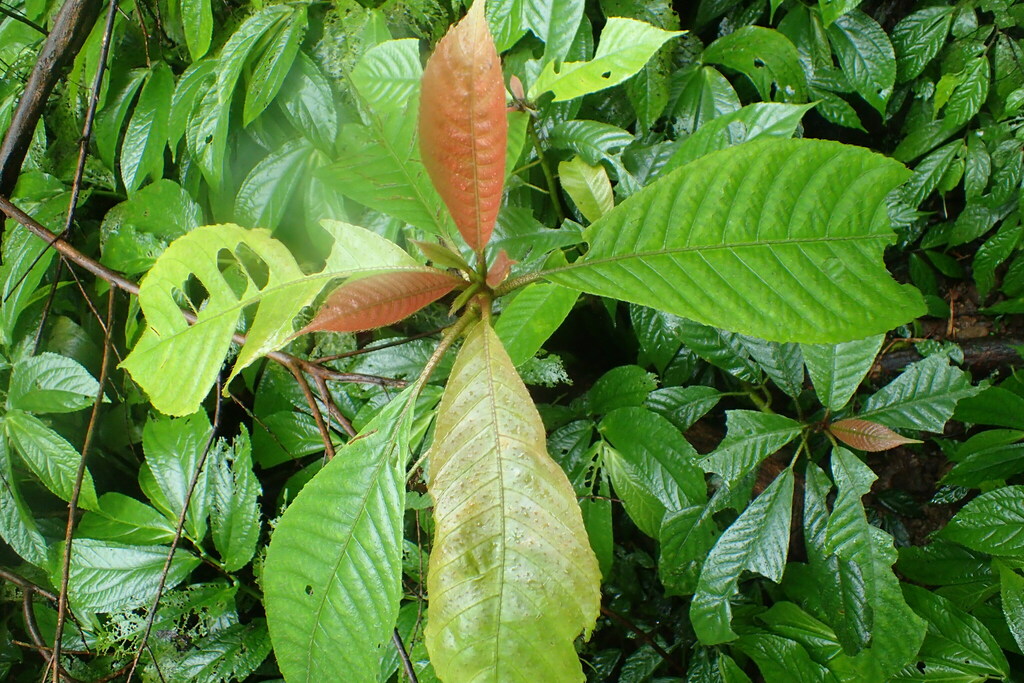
[(18, 526), (757, 541), (281, 292), (588, 186), (918, 37), (273, 65), (783, 363), (683, 406), (463, 130), (532, 317), (174, 448), (591, 140), (333, 569), (780, 658), (509, 534), (699, 243), (766, 57), (867, 436), (751, 437), (721, 348), (837, 370), (866, 57), (621, 387), (19, 278), (381, 299), (108, 577), (624, 47), (123, 519), (142, 152), (50, 383), (653, 468), (1011, 594), (833, 9), (923, 397), (686, 537), (197, 20), (49, 456), (704, 94), (991, 455), (991, 523), (234, 505)]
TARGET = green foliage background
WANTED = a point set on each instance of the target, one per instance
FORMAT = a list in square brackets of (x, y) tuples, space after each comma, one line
[(736, 538)]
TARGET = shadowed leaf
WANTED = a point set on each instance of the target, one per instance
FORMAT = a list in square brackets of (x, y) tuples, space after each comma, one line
[(865, 435), (381, 299), (463, 128)]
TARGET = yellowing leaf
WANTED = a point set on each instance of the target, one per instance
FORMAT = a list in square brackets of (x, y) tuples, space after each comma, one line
[(865, 435), (589, 187), (463, 128), (512, 579), (381, 299)]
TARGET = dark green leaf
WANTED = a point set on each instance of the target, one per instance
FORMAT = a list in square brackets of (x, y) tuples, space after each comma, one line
[(866, 56), (50, 383), (923, 397), (751, 437), (992, 523), (234, 510), (991, 455), (683, 406), (627, 385), (723, 349), (17, 525), (918, 37)]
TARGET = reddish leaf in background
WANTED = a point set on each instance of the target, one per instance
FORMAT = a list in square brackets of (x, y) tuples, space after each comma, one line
[(867, 436), (382, 299), (463, 130), (499, 269)]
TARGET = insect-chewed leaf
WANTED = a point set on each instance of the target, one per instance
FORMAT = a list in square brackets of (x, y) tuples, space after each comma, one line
[(463, 128), (512, 579), (865, 435), (381, 299)]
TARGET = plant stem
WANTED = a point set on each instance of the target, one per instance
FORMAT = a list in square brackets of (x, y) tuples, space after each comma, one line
[(548, 175)]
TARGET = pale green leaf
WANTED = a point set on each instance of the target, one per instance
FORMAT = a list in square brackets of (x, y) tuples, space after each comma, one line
[(592, 140), (191, 86), (50, 383), (624, 47), (555, 22), (758, 120), (955, 640), (262, 200), (836, 370), (779, 239), (197, 20), (264, 272), (751, 437), (766, 57), (866, 57), (757, 541), (109, 577), (653, 468), (923, 397), (142, 152), (588, 186), (509, 535), (532, 317), (49, 456), (388, 75), (332, 577), (273, 65)]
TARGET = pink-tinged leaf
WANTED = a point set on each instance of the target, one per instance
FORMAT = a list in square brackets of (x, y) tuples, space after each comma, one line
[(867, 436), (499, 269), (463, 129), (382, 299)]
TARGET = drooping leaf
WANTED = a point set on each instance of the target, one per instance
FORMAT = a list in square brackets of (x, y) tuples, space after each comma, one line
[(783, 363), (264, 272), (686, 537), (588, 186), (867, 436), (1011, 594), (197, 20), (721, 348), (624, 47), (751, 437), (273, 65), (866, 56), (19, 278), (49, 456), (766, 57), (757, 541), (142, 152), (653, 468), (333, 570), (18, 526), (532, 317), (50, 383), (704, 94), (509, 534), (779, 658), (381, 299), (463, 130), (108, 577), (836, 370), (734, 238), (923, 397)]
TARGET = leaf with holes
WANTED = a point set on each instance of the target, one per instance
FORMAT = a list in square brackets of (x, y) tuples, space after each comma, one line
[(623, 49), (865, 435), (463, 129), (261, 272), (765, 56), (333, 572), (512, 578), (381, 299), (778, 239)]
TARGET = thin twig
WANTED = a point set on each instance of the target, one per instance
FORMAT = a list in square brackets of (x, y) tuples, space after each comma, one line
[(644, 636), (18, 16), (26, 585), (151, 617), (410, 672), (62, 602), (556, 201), (332, 409), (378, 347), (325, 433)]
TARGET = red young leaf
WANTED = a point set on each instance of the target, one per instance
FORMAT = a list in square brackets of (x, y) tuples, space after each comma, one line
[(463, 129), (867, 436), (499, 269), (382, 299)]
